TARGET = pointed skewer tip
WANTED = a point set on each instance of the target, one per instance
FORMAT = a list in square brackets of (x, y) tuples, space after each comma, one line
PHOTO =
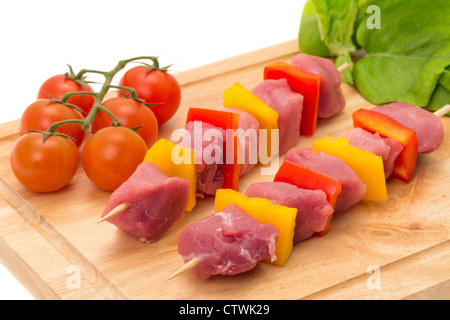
[(116, 211), (343, 67), (186, 267), (442, 111)]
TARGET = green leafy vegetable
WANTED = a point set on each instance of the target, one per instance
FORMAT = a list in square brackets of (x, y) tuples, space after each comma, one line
[(407, 55), (309, 38), (336, 20), (441, 95)]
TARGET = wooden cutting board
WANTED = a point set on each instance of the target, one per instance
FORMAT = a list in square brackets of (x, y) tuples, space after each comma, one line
[(397, 249)]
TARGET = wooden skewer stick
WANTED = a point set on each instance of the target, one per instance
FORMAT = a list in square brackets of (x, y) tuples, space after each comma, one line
[(343, 67), (442, 111), (188, 266), (116, 211)]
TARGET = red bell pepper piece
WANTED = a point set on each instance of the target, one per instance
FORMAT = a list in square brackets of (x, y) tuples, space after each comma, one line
[(373, 121), (306, 178), (221, 119), (305, 83), (225, 120)]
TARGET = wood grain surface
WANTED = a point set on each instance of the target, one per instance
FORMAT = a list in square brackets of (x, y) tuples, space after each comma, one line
[(53, 245)]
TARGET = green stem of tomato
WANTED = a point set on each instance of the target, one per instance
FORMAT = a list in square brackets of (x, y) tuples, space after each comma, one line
[(131, 91), (55, 125), (109, 76), (99, 96), (48, 134), (68, 95), (84, 71), (88, 120)]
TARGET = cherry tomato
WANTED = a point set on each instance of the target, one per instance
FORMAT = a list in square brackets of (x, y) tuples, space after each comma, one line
[(111, 155), (44, 166), (41, 114), (131, 114), (57, 86), (155, 86)]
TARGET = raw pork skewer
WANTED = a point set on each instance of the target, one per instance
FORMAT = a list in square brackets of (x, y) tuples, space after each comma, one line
[(124, 206), (389, 148), (260, 192)]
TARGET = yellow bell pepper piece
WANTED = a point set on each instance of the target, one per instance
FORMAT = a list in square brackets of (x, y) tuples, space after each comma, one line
[(166, 156), (265, 211), (368, 166), (237, 96)]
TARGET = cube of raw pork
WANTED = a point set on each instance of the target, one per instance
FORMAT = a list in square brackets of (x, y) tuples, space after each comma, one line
[(277, 94), (227, 242), (353, 189), (207, 151), (312, 205), (156, 202), (331, 98), (387, 148)]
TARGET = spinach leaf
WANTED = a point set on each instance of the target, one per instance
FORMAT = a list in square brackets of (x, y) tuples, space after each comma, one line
[(441, 95), (407, 57), (309, 39), (336, 23)]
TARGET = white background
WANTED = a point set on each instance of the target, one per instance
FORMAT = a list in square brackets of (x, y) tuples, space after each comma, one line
[(38, 39)]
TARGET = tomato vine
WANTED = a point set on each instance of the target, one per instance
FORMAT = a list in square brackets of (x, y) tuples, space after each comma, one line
[(46, 156)]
